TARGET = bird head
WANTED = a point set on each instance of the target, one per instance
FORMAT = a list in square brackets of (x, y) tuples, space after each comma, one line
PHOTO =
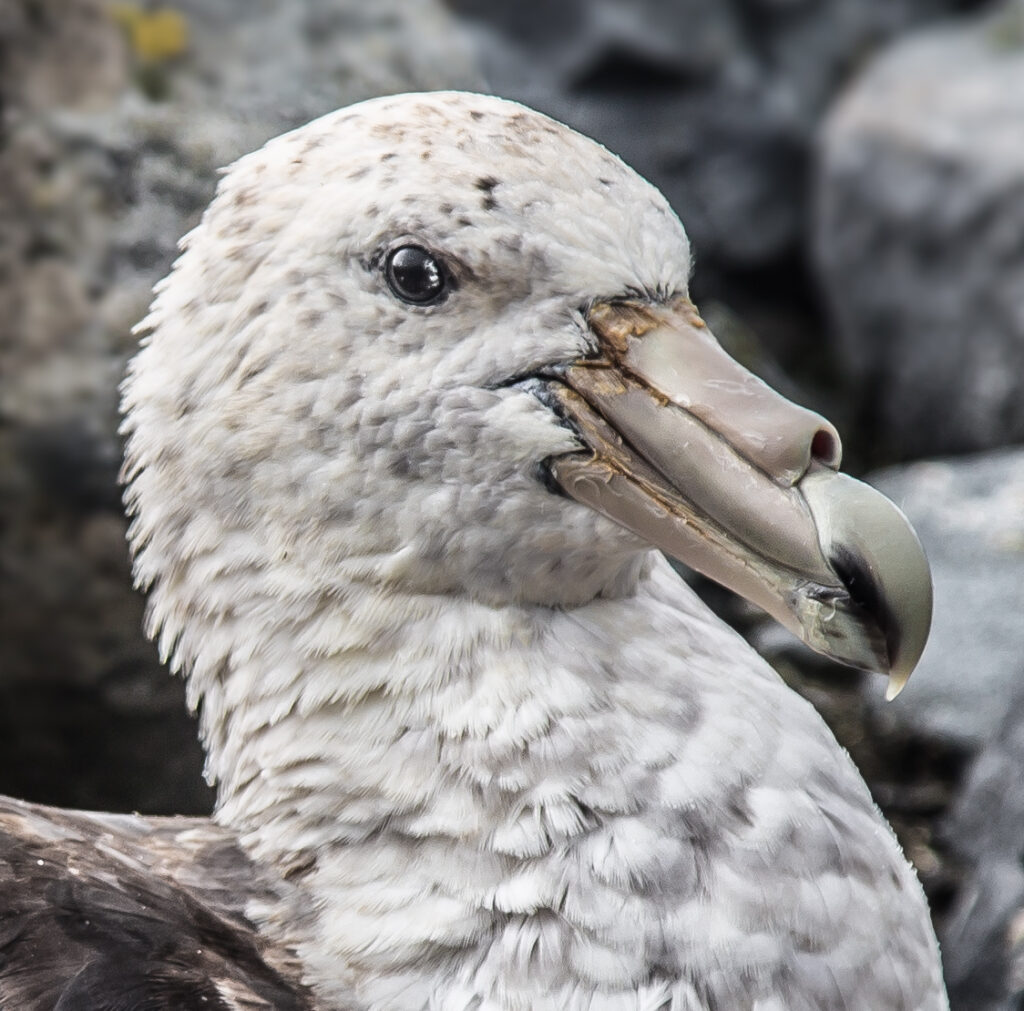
[(444, 344)]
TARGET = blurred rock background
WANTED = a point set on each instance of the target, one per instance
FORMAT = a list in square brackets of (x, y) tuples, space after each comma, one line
[(852, 177)]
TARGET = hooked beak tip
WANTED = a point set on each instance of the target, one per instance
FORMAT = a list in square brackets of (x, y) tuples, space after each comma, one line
[(874, 551), (896, 685)]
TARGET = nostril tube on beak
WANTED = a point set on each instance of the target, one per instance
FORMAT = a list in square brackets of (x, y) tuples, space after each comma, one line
[(798, 441), (826, 448), (668, 349), (807, 442)]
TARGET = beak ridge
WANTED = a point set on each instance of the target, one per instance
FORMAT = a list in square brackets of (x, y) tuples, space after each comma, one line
[(676, 355)]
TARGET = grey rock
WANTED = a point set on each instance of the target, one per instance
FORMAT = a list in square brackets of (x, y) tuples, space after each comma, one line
[(110, 150), (919, 237), (969, 513)]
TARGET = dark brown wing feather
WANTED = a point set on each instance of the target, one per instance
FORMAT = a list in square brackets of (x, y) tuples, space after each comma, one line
[(121, 913)]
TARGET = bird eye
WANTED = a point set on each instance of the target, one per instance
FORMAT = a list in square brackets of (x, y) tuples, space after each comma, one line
[(415, 275)]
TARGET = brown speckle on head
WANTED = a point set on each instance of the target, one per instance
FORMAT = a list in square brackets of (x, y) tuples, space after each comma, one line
[(513, 243), (388, 131), (487, 184), (237, 252), (237, 225)]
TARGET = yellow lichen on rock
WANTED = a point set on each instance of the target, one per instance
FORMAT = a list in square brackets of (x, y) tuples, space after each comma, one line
[(156, 36)]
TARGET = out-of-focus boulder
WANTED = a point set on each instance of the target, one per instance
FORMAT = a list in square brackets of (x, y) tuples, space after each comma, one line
[(919, 237), (116, 117), (969, 513)]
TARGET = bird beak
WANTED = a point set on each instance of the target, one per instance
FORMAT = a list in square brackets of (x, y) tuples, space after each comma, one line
[(693, 453)]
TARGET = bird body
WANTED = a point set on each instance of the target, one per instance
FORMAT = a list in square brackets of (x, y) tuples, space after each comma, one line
[(476, 745)]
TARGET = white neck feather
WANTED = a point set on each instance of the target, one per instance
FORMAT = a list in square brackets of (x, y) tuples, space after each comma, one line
[(463, 793)]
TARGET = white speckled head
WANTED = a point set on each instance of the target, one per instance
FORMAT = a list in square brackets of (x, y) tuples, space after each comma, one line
[(308, 421)]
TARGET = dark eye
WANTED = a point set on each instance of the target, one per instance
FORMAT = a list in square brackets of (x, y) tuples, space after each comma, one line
[(415, 275)]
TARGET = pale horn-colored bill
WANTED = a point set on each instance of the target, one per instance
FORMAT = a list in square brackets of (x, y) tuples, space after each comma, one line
[(691, 451)]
